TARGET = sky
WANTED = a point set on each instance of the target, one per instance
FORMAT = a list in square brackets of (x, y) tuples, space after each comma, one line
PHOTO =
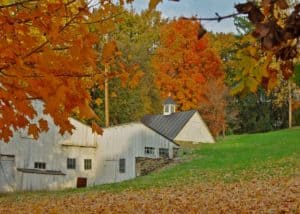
[(201, 8)]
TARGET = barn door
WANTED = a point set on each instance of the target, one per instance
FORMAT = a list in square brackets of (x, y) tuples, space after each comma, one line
[(7, 173), (81, 182), (110, 171)]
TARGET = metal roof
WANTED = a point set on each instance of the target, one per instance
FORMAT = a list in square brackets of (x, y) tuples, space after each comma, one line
[(169, 100), (168, 125)]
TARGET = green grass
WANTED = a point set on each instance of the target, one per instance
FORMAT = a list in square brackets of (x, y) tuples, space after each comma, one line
[(239, 157), (236, 158)]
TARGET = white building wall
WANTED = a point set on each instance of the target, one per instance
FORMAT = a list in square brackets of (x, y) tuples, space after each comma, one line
[(49, 150), (195, 131), (128, 142), (52, 149)]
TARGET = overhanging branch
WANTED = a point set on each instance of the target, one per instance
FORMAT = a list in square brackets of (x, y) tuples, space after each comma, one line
[(217, 18)]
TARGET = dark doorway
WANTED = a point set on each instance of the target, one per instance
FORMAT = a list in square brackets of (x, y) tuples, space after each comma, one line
[(81, 182)]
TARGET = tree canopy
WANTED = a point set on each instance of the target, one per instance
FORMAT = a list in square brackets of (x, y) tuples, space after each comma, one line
[(56, 51), (47, 53), (188, 68)]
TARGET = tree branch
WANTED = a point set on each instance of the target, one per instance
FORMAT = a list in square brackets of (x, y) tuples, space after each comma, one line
[(40, 47), (47, 41), (217, 18)]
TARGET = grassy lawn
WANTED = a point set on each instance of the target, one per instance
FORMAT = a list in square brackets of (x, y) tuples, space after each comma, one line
[(235, 158), (257, 168)]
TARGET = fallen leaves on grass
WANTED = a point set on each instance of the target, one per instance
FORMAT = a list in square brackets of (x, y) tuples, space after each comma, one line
[(281, 195)]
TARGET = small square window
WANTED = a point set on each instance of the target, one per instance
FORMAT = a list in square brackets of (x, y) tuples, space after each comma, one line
[(87, 164), (122, 165), (163, 152), (71, 163), (149, 150), (175, 152), (39, 165)]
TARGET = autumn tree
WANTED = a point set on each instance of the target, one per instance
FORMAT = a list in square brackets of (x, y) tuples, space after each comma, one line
[(213, 110), (187, 67), (276, 25), (249, 111), (47, 53), (138, 37), (132, 93)]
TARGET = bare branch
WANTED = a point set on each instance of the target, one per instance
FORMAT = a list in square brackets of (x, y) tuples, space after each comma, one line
[(217, 18)]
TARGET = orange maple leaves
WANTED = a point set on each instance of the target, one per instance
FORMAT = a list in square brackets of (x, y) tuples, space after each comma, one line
[(47, 53), (184, 64)]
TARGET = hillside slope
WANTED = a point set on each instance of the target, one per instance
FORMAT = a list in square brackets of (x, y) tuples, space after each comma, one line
[(241, 173)]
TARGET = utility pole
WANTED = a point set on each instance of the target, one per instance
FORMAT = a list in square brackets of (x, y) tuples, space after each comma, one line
[(106, 94), (290, 103)]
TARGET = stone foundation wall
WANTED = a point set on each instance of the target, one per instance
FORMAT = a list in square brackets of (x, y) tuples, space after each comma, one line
[(144, 166)]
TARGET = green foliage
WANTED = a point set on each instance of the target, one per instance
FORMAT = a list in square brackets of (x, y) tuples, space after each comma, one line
[(297, 74), (296, 117), (257, 113), (250, 109), (125, 103), (136, 37), (243, 26)]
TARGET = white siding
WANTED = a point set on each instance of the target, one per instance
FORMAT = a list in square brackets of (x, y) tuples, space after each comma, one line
[(128, 142), (49, 149), (195, 131)]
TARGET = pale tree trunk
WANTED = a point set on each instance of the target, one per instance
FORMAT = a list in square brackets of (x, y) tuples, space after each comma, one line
[(290, 104), (106, 92)]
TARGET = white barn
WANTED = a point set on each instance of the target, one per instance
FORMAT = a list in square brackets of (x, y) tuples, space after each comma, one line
[(84, 158), (50, 162), (121, 145), (81, 159), (179, 126)]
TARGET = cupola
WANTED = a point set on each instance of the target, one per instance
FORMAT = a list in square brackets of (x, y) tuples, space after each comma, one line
[(169, 106)]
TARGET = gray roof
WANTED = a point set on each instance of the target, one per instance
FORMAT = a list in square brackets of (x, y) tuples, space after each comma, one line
[(168, 125), (169, 100)]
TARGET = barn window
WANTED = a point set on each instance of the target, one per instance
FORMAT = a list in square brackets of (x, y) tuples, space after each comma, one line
[(164, 153), (122, 165), (39, 165), (149, 150), (175, 152), (87, 164), (71, 163)]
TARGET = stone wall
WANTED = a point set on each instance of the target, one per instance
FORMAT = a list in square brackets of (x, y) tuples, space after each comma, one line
[(144, 166)]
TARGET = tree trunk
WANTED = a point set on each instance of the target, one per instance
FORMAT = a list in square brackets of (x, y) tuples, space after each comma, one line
[(106, 92), (290, 104)]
